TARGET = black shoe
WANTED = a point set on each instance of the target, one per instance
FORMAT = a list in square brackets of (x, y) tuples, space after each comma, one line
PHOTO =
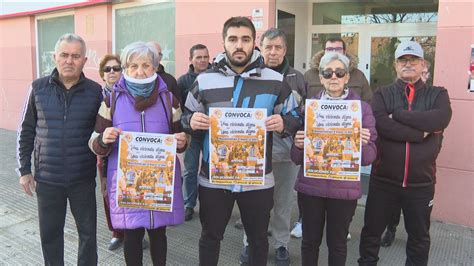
[(282, 256), (244, 256), (388, 237), (188, 214)]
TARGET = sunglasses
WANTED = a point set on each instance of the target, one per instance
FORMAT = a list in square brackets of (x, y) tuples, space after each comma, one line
[(108, 69), (327, 73)]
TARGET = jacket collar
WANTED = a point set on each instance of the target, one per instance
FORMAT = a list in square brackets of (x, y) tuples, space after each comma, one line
[(54, 78), (194, 74), (402, 84), (284, 67)]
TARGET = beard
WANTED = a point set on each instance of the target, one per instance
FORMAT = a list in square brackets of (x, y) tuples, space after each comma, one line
[(236, 63)]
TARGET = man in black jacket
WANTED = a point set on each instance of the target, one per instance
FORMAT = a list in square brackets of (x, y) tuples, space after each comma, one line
[(58, 119), (411, 117), (199, 58)]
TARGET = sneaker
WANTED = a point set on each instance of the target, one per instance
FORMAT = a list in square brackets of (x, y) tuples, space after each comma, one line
[(238, 224), (188, 214), (115, 243), (297, 231), (145, 244), (244, 256), (349, 237), (282, 256), (388, 237)]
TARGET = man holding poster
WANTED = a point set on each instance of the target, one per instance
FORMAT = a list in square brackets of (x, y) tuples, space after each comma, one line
[(238, 79), (339, 137)]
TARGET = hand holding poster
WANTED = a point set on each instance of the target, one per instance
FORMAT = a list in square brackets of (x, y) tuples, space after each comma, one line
[(332, 145), (237, 146), (145, 172)]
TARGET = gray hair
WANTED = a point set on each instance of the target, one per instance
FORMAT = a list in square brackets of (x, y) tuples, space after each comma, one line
[(273, 33), (71, 37), (140, 50), (333, 56)]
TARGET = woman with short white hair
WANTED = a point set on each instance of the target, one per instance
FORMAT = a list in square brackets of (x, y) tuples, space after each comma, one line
[(325, 201), (140, 102)]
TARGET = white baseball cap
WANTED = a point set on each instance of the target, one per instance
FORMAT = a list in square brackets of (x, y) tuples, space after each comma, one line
[(409, 48)]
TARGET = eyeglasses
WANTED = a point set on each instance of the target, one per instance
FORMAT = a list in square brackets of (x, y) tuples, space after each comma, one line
[(327, 73), (405, 60), (108, 69), (334, 49)]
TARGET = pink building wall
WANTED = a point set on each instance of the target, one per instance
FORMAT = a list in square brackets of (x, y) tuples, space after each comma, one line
[(94, 25), (454, 198), (205, 21), (17, 68)]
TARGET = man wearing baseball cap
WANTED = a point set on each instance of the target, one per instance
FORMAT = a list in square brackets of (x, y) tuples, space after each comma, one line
[(410, 119)]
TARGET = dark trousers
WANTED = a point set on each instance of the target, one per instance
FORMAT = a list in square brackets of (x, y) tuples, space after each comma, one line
[(52, 205), (337, 215), (394, 218), (115, 232), (132, 245), (215, 211), (416, 204)]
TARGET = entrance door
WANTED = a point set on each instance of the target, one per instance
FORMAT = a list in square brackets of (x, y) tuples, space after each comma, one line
[(375, 44), (286, 23)]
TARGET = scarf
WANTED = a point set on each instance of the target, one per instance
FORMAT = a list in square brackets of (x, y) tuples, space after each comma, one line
[(326, 96), (140, 87)]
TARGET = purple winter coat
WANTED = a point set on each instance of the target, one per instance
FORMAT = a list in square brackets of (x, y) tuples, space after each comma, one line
[(127, 118), (336, 189)]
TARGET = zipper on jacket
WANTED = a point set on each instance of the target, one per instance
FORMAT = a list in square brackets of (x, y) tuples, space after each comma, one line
[(66, 97), (142, 122), (410, 96)]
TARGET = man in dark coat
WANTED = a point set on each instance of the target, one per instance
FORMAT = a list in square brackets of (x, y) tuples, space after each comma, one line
[(410, 119), (199, 59), (58, 119)]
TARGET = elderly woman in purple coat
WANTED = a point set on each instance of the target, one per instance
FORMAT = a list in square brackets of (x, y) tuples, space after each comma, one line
[(326, 201), (139, 102)]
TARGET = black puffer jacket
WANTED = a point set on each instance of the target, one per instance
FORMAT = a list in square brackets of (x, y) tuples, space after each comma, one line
[(56, 125)]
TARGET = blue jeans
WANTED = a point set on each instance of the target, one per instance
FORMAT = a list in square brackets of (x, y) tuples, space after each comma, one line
[(191, 168)]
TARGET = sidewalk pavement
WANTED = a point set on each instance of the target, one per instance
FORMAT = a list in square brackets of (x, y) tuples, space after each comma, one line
[(20, 242)]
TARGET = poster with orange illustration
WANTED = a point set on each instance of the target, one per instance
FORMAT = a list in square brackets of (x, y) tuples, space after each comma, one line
[(145, 171), (332, 144), (237, 146)]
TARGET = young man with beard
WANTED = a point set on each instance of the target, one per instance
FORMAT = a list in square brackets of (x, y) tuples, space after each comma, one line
[(238, 79)]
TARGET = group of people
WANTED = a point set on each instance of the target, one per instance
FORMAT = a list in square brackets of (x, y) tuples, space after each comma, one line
[(70, 123)]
